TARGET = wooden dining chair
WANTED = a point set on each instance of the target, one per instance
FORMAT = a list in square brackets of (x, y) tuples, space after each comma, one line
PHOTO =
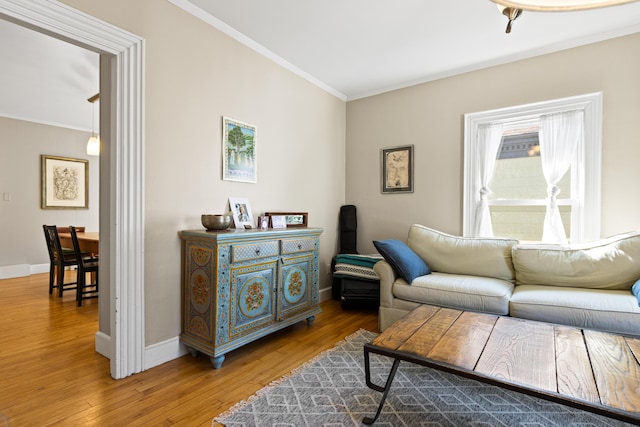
[(60, 259), (86, 264)]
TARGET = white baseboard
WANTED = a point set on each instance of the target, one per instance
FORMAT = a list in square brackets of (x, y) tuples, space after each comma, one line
[(103, 344), (11, 271), (157, 354), (39, 268), (325, 294), (154, 355), (22, 270)]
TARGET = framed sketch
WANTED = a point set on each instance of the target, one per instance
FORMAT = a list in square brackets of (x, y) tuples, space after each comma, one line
[(397, 169), (241, 210), (293, 219), (278, 221), (64, 183), (239, 160)]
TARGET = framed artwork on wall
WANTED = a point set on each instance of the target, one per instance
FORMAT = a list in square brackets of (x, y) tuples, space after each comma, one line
[(397, 169), (64, 183), (241, 209), (239, 159)]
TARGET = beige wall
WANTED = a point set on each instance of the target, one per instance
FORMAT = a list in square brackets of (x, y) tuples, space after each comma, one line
[(195, 75), (430, 116), (22, 246)]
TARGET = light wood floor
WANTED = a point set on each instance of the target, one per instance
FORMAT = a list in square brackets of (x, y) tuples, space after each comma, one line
[(50, 373)]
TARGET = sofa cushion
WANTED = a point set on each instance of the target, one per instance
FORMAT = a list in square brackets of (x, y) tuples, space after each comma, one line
[(475, 293), (488, 257), (404, 261), (607, 310), (612, 263), (635, 289)]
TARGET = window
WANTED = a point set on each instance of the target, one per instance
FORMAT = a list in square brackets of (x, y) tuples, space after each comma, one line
[(504, 173), (517, 201)]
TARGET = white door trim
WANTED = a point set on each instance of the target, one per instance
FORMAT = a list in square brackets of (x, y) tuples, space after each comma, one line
[(124, 251)]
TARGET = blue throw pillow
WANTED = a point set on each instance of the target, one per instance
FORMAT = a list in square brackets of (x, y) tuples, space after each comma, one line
[(404, 261), (636, 290)]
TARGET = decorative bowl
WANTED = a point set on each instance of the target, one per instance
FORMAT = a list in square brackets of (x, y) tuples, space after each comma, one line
[(216, 222)]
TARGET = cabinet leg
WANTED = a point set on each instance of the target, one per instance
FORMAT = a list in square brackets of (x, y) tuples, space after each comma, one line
[(193, 351), (216, 361), (310, 320)]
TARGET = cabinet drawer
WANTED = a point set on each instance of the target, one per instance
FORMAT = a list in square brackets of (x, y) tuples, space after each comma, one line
[(291, 246), (253, 251)]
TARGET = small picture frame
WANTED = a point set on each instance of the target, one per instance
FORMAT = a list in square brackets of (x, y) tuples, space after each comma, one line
[(397, 169), (239, 157), (293, 219), (241, 209), (64, 183), (263, 222), (278, 221)]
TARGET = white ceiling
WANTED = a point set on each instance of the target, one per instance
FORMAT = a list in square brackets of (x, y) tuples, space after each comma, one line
[(364, 47), (46, 80), (351, 48)]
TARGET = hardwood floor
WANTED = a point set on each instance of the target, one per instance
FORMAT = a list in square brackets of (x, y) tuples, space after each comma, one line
[(50, 373)]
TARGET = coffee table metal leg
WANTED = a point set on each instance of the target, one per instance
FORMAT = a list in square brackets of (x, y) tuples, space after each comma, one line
[(371, 385)]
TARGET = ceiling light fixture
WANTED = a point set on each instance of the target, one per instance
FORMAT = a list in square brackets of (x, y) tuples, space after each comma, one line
[(511, 13), (93, 144), (559, 5)]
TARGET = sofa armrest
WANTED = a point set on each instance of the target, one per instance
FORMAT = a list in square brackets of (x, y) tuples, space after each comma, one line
[(387, 276)]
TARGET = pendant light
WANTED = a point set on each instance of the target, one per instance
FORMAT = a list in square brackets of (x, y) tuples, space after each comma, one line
[(93, 144)]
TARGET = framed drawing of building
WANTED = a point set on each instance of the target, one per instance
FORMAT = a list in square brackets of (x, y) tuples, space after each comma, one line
[(64, 183), (239, 160)]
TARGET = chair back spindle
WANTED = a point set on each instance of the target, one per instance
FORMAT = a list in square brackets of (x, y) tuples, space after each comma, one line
[(86, 264)]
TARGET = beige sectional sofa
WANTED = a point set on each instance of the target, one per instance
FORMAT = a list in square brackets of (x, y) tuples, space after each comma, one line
[(585, 285)]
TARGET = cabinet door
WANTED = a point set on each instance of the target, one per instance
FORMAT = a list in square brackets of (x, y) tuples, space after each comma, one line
[(252, 297), (298, 291)]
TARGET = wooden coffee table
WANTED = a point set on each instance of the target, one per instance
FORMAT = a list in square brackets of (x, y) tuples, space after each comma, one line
[(591, 370)]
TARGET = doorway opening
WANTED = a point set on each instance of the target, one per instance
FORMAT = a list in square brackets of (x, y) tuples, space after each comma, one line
[(121, 321)]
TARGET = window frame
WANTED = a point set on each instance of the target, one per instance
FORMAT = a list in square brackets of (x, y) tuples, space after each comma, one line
[(585, 212)]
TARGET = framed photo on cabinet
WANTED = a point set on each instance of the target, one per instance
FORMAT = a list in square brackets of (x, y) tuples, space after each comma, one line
[(278, 221), (239, 159), (397, 169), (241, 209), (64, 183), (293, 219)]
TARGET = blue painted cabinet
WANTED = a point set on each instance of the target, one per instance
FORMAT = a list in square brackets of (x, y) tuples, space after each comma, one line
[(240, 285)]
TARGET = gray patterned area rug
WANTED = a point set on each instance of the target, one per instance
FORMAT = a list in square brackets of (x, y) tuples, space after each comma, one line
[(330, 390)]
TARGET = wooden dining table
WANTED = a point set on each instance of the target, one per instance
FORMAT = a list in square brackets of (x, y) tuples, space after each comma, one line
[(88, 240)]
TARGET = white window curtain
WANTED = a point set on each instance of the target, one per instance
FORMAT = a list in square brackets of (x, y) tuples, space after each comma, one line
[(560, 135), (489, 138)]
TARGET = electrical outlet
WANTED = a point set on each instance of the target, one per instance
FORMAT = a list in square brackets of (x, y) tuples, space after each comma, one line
[(6, 197)]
